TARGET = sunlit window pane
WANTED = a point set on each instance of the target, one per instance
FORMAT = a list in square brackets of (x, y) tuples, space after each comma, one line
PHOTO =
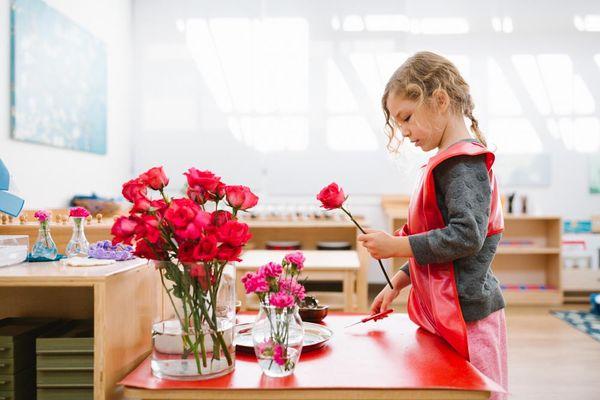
[(557, 73), (387, 22), (271, 134), (528, 70), (350, 133), (514, 136), (580, 134), (501, 98), (583, 102), (339, 95)]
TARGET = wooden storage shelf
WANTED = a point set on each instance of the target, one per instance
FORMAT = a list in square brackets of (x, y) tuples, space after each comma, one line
[(122, 299), (538, 262)]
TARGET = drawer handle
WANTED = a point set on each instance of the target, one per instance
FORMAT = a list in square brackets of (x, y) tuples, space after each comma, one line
[(2, 365), (2, 382), (3, 349)]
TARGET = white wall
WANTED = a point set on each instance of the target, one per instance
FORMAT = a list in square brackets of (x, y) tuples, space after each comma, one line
[(47, 176)]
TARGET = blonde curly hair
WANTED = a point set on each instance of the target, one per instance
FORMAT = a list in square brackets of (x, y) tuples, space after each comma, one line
[(417, 79)]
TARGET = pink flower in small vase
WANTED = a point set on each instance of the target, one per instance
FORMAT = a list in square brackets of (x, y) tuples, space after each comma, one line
[(42, 215), (296, 258), (270, 270), (279, 354), (79, 212), (265, 348), (292, 287), (281, 300), (255, 283)]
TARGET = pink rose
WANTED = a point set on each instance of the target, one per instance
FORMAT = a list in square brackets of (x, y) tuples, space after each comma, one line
[(296, 258), (220, 217), (331, 197), (240, 197), (229, 253), (281, 300), (124, 230), (234, 233), (204, 179), (187, 219), (155, 178), (79, 212), (134, 190)]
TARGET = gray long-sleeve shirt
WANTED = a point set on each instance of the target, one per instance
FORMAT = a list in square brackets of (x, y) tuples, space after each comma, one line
[(463, 195)]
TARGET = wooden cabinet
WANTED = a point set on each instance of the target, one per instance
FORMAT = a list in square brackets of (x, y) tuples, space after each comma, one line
[(528, 260), (123, 299)]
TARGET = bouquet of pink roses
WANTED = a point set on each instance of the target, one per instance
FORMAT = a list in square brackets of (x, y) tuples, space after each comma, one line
[(279, 293), (193, 246)]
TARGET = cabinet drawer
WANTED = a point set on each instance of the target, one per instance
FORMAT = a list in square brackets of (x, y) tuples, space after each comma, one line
[(581, 279)]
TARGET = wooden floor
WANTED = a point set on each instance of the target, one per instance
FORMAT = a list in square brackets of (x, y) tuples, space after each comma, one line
[(547, 358)]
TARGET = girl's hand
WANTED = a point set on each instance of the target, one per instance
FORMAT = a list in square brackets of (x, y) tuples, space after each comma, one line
[(379, 244), (384, 299)]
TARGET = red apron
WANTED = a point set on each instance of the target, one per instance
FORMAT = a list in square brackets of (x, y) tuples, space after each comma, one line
[(433, 300)]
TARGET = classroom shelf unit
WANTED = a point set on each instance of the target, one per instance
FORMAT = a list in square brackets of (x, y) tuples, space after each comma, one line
[(528, 262)]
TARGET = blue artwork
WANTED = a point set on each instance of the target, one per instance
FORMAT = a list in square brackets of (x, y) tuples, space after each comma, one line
[(58, 80)]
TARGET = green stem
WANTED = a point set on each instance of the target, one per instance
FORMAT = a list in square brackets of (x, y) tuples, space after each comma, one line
[(387, 278)]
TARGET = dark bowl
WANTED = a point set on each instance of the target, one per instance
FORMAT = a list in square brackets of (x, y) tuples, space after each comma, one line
[(313, 314)]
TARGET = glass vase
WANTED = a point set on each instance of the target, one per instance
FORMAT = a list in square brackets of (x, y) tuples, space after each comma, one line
[(198, 343), (277, 335), (44, 246), (78, 246)]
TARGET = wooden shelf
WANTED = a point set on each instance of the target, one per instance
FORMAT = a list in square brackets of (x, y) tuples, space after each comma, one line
[(527, 250), (123, 300), (539, 263), (533, 297)]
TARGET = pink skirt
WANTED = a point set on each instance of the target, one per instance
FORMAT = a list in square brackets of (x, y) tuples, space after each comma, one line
[(487, 349)]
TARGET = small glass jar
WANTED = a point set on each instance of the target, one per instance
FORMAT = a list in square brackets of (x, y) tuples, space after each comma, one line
[(44, 246), (277, 335), (78, 246)]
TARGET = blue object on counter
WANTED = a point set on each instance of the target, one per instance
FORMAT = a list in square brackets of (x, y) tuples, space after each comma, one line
[(9, 203), (44, 259), (573, 226), (595, 302)]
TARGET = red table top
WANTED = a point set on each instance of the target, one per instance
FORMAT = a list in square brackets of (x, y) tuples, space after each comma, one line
[(388, 354)]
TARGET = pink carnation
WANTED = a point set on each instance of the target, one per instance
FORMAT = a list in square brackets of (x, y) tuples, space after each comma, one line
[(42, 215), (255, 283), (281, 300), (265, 348), (292, 287), (270, 270), (296, 258), (79, 212), (279, 354)]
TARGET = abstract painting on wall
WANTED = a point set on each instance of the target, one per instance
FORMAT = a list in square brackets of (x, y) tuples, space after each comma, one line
[(58, 80)]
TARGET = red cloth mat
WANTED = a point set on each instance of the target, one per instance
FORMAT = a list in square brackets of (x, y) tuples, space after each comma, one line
[(390, 353)]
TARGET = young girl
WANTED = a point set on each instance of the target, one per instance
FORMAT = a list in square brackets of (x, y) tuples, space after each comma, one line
[(455, 218)]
